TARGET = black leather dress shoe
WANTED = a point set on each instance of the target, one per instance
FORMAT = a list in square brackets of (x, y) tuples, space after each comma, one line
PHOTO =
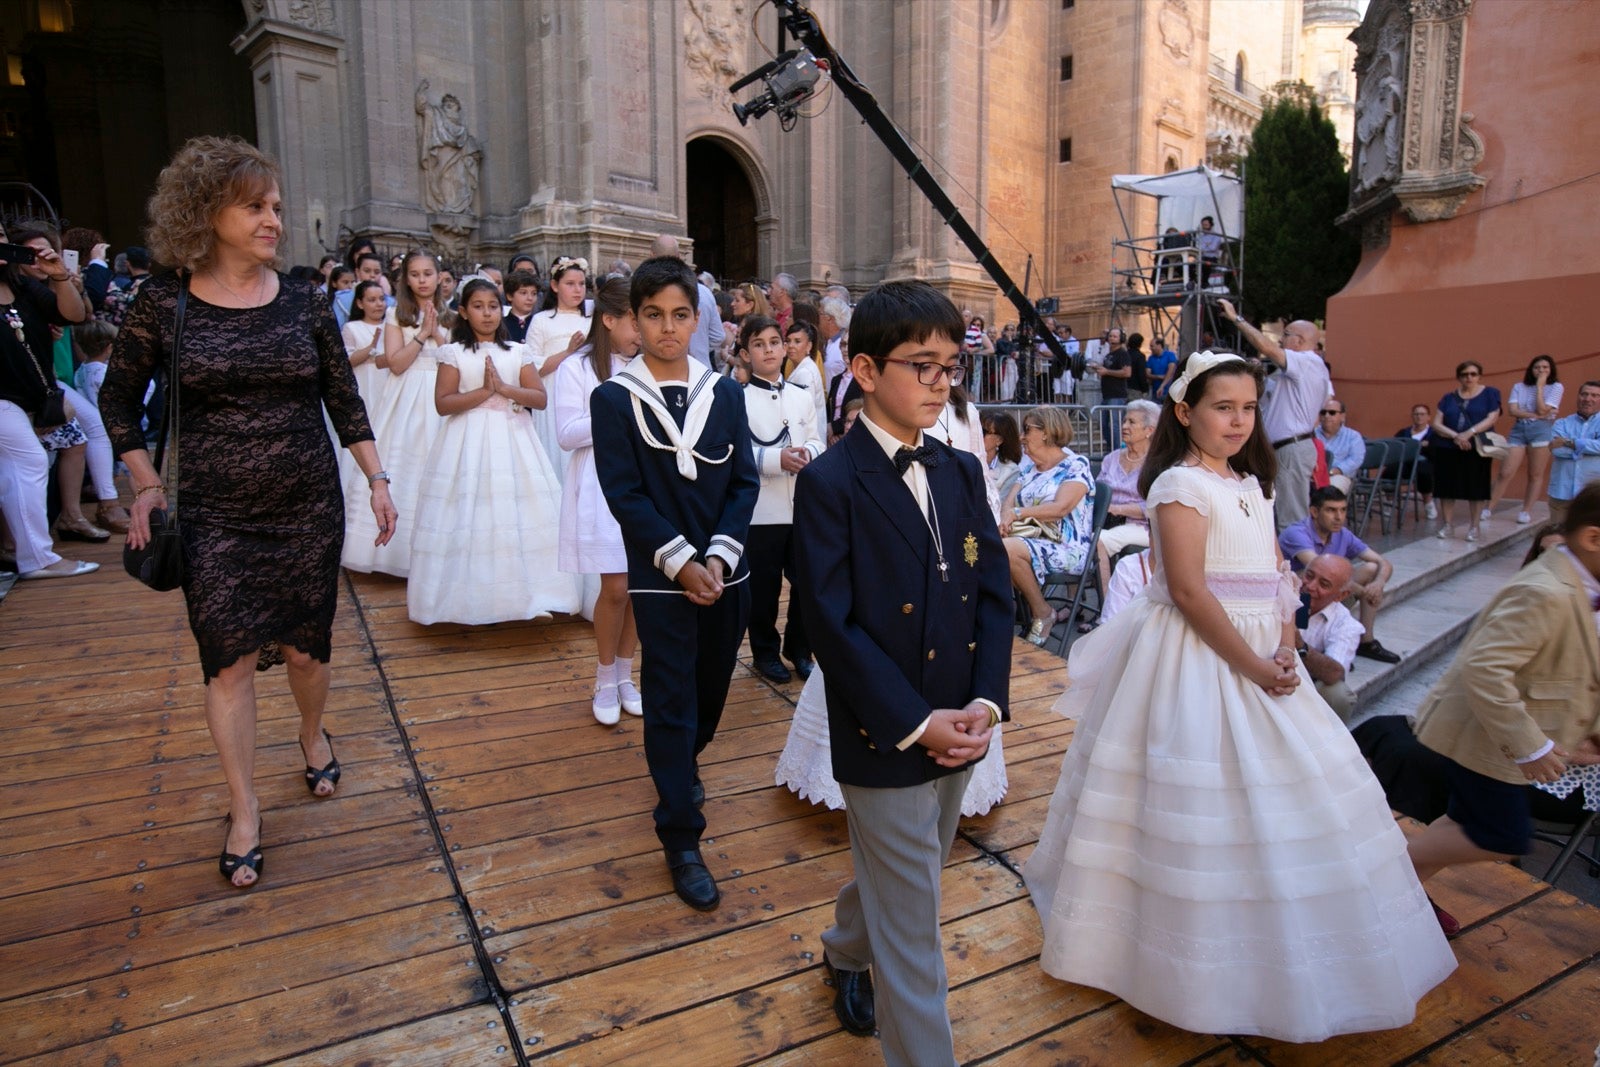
[(852, 999), (773, 671), (804, 668), (691, 881), (697, 793), (1373, 650)]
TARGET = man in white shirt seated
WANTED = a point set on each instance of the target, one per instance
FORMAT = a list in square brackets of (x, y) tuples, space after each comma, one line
[(1329, 639)]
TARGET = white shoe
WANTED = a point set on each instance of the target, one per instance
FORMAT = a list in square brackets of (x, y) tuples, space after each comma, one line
[(628, 693), (1433, 510), (1523, 518), (1472, 534), (1444, 532), (1484, 515), (606, 707)]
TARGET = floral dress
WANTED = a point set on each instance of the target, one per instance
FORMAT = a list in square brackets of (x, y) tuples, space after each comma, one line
[(1036, 487)]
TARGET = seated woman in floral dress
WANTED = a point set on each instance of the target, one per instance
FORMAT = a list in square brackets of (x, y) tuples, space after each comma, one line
[(1053, 494)]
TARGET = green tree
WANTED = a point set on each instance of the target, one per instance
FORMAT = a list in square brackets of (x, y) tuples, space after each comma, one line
[(1295, 186)]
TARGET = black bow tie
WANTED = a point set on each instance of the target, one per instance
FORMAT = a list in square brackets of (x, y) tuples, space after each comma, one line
[(925, 454)]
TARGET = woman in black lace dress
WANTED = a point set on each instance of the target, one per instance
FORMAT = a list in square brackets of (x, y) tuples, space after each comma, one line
[(258, 489)]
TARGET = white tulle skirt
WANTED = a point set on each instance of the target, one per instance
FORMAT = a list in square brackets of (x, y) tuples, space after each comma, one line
[(484, 546), (1222, 859), (806, 764)]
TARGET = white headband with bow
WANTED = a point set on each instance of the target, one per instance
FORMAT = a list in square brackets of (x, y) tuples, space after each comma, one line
[(1196, 365)]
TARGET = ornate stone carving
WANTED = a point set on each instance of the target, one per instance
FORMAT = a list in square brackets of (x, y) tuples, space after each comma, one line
[(1380, 99), (714, 34), (1177, 30), (450, 156), (1414, 147), (312, 14)]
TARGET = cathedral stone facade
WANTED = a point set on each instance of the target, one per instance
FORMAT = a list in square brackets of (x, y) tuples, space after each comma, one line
[(586, 127)]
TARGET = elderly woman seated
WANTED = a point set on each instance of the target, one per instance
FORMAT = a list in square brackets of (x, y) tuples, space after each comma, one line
[(1049, 514), (1120, 470)]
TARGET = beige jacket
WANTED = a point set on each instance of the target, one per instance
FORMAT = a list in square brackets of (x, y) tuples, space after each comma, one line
[(1529, 669)]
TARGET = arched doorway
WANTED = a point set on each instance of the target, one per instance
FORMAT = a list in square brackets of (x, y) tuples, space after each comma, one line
[(721, 212)]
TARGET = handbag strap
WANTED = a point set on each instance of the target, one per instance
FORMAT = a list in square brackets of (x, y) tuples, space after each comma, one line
[(169, 418)]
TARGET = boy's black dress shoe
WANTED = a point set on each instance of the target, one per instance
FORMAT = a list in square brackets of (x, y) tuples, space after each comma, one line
[(852, 999), (692, 881), (773, 671)]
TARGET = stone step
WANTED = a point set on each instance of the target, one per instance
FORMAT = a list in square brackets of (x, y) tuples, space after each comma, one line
[(1437, 608), (1423, 563)]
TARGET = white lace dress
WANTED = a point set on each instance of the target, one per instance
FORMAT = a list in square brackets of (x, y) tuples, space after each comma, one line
[(805, 765), (1220, 858), (484, 545)]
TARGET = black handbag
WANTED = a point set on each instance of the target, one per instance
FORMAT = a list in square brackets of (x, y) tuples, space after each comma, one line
[(159, 564), (52, 410)]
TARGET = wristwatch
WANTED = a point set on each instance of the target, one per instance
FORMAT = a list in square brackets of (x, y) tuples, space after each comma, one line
[(379, 476), (1302, 650)]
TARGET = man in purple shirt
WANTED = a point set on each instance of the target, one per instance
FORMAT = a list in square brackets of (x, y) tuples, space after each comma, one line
[(1323, 533)]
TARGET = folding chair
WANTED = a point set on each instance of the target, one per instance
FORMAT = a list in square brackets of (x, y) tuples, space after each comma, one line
[(1364, 487), (1060, 585), (1570, 837), (1405, 455)]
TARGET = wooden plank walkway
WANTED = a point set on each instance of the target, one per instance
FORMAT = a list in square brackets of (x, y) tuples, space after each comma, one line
[(486, 889)]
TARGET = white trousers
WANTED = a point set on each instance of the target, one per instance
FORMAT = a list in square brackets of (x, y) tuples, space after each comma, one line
[(24, 483), (99, 447)]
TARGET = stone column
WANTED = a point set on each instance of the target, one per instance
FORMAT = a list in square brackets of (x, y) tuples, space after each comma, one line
[(294, 62)]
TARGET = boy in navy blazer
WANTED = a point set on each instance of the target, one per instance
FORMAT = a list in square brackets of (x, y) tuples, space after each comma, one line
[(672, 451), (903, 583)]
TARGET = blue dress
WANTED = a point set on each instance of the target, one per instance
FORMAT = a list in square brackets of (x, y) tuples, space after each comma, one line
[(1036, 487)]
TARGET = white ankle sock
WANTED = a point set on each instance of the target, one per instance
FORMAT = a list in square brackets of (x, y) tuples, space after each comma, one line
[(624, 669), (605, 674)]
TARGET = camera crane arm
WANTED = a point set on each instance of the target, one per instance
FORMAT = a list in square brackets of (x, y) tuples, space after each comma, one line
[(805, 28)]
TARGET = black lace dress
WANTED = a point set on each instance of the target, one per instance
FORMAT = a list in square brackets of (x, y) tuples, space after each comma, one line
[(258, 487)]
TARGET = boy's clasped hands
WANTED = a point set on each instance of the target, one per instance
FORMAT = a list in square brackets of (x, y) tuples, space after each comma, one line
[(956, 736), (702, 582)]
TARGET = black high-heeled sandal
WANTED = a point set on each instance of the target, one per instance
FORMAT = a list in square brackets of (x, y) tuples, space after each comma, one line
[(229, 864), (329, 774)]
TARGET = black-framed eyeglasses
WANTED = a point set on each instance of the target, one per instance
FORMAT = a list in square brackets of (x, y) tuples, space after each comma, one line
[(1468, 374), (929, 373), (1333, 413)]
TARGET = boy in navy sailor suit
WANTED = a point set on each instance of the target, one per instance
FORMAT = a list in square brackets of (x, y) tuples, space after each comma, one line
[(903, 584), (672, 451)]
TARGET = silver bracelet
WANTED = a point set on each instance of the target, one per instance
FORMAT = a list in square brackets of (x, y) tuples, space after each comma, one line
[(379, 476)]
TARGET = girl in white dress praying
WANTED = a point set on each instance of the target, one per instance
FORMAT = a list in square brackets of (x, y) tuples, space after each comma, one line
[(363, 341), (591, 539), (484, 545), (557, 331), (403, 413), (1217, 852)]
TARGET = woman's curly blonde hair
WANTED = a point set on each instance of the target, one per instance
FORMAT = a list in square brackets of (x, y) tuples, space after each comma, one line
[(207, 175)]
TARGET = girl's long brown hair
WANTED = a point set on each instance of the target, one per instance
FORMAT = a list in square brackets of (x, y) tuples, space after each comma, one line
[(610, 299), (1170, 442)]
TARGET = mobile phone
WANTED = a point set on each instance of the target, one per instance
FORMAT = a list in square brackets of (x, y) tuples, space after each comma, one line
[(69, 256), (21, 255), (1302, 616)]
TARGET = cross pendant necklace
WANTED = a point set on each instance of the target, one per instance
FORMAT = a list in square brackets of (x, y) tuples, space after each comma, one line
[(938, 541)]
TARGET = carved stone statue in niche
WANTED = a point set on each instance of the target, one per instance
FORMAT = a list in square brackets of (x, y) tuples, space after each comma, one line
[(713, 44), (312, 14), (1379, 125), (449, 154)]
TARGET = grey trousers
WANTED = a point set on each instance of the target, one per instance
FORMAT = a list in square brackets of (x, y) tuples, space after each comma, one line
[(1291, 490), (887, 918)]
